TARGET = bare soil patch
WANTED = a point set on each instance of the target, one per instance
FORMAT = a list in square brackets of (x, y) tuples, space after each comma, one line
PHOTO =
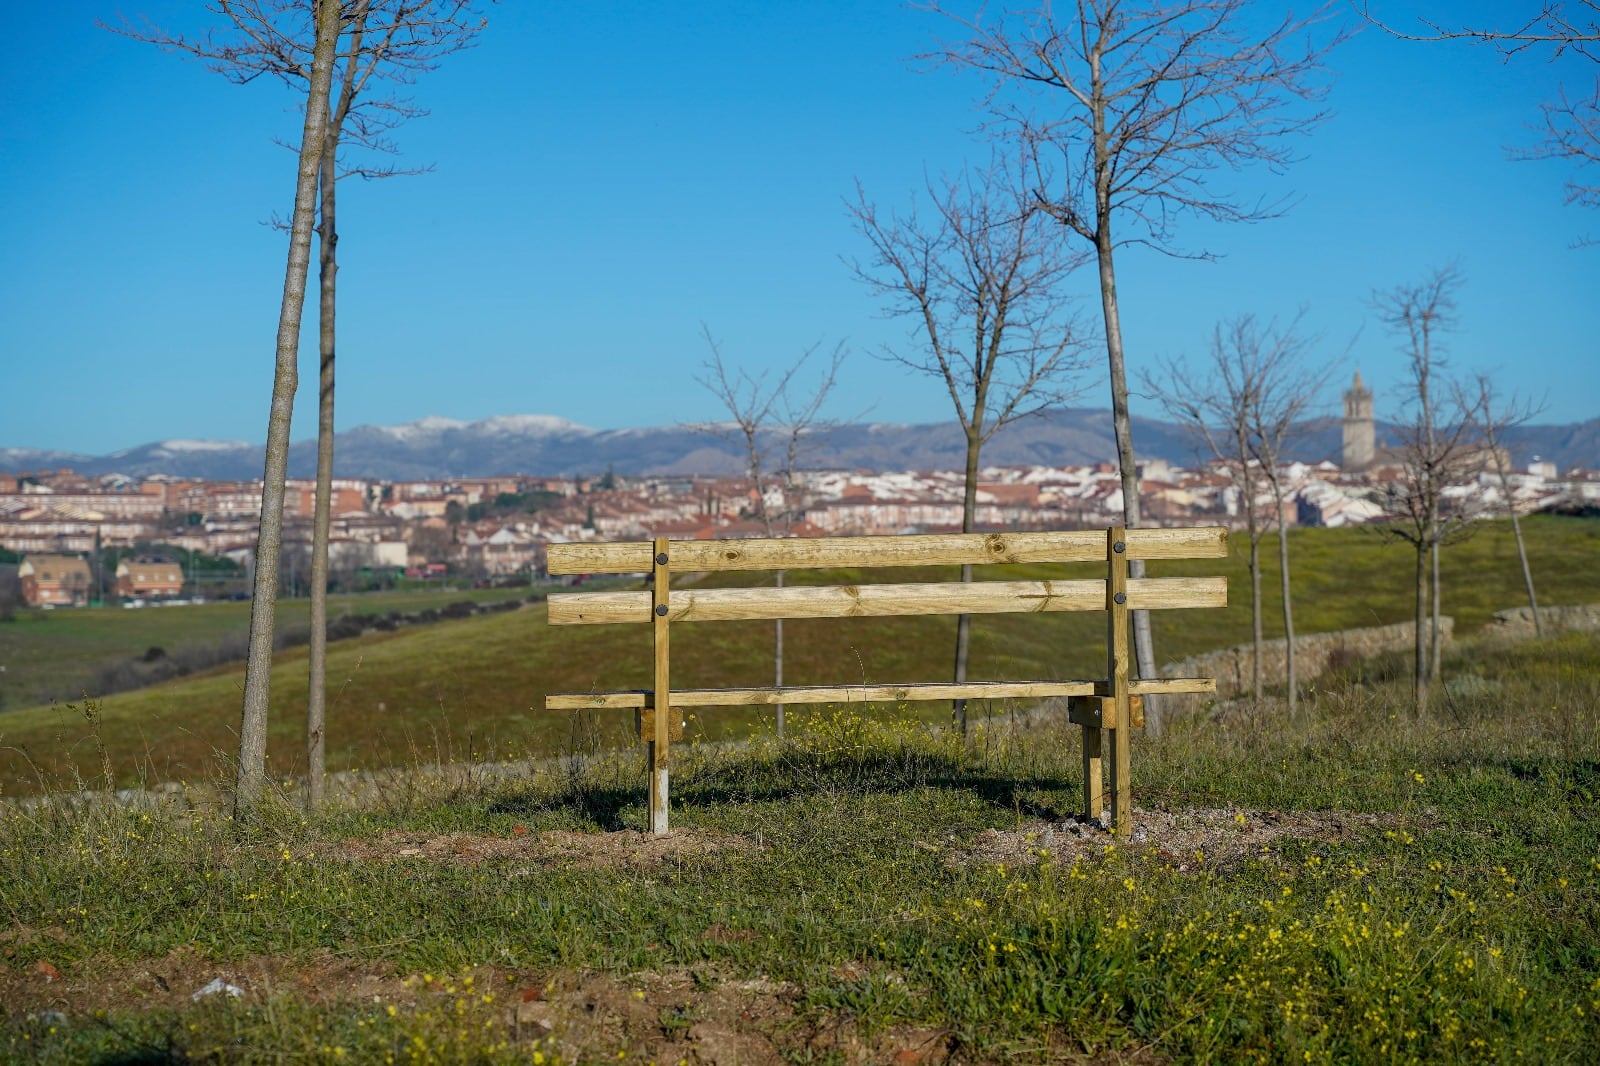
[(553, 848), (1188, 838), (170, 983), (692, 1016)]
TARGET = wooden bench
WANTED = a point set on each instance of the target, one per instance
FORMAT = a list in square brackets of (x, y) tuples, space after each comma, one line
[(1098, 705)]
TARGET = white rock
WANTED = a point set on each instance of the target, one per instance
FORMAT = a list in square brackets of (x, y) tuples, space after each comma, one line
[(217, 987)]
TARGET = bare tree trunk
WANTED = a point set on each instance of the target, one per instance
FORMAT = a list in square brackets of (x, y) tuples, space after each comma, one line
[(1491, 431), (1435, 643), (316, 696), (1527, 574), (1420, 687), (986, 275), (963, 643), (1522, 549), (752, 406), (1431, 501), (1258, 389), (1431, 463), (1252, 524), (251, 774), (1291, 679), (1257, 638), (777, 655), (969, 516), (1290, 673), (1143, 648)]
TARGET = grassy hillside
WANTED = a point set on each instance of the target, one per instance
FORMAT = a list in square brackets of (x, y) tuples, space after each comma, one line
[(51, 653), (475, 687), (1354, 886)]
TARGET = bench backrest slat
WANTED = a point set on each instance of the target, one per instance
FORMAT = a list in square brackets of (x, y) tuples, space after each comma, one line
[(881, 601), (922, 549)]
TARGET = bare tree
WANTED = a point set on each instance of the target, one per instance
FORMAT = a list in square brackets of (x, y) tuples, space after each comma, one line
[(430, 543), (251, 771), (390, 40), (1243, 404), (1126, 110), (383, 43), (1496, 419), (1570, 123), (1290, 385), (294, 563), (983, 281), (1214, 405), (10, 595), (1435, 451), (771, 424)]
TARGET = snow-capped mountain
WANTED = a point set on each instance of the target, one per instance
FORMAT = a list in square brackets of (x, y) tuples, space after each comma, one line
[(41, 459), (547, 444)]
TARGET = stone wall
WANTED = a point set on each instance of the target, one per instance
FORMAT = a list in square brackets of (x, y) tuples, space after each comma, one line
[(1314, 654), (1518, 621)]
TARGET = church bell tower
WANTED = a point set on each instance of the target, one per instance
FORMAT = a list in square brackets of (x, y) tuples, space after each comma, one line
[(1360, 431)]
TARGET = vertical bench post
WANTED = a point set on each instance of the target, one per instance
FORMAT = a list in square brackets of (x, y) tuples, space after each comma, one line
[(661, 696), (1117, 656), (1093, 789)]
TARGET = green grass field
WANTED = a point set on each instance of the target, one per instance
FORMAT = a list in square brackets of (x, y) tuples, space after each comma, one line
[(475, 688), (1367, 887), (57, 652)]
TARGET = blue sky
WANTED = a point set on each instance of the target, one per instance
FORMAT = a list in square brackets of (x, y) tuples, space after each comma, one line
[(611, 175)]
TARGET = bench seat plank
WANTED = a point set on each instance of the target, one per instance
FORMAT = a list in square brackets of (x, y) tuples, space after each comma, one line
[(886, 600), (972, 690)]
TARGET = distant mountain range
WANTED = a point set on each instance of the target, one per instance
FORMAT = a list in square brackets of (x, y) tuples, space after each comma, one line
[(545, 444)]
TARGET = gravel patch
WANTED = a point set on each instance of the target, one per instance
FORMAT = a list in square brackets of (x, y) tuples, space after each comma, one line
[(543, 850), (1185, 838)]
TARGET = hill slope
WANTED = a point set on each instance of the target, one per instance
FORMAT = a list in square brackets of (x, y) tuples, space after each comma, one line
[(475, 688)]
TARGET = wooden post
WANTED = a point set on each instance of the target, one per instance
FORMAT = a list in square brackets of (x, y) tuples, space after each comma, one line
[(1117, 664), (1093, 799), (661, 696)]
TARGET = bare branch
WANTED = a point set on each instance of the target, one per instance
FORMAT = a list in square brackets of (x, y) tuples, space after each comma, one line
[(1438, 442), (1139, 102), (381, 41), (1258, 384), (1571, 131), (1421, 312), (982, 281), (351, 44), (1552, 25), (1439, 454), (983, 284), (1571, 126), (1122, 111), (770, 422)]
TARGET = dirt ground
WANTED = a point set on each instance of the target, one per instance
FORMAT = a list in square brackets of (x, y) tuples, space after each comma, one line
[(681, 1016), (691, 1016), (1185, 839), (553, 848)]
